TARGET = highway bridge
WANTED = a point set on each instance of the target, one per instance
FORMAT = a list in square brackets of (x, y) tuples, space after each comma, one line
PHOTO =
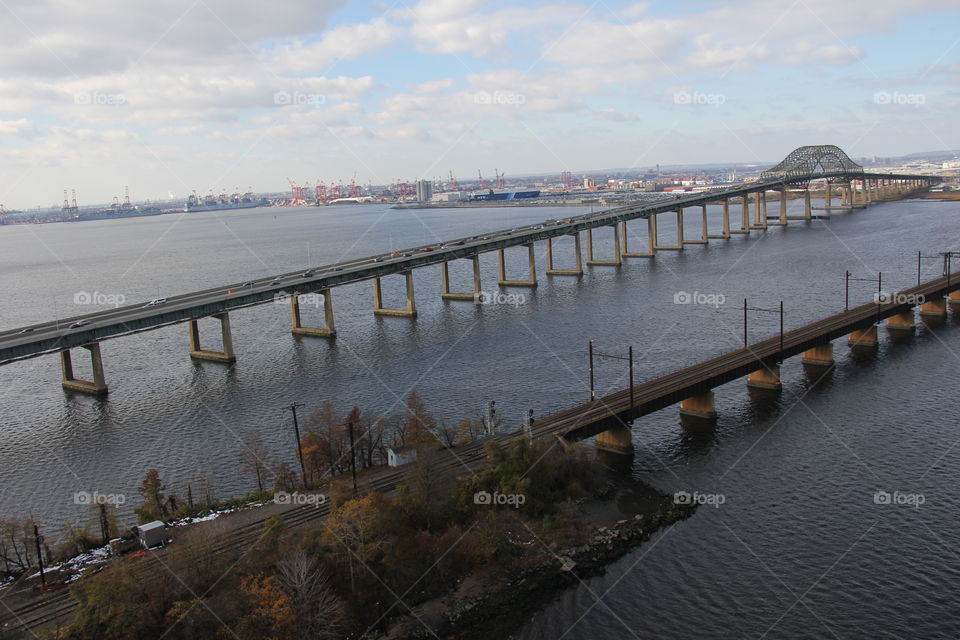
[(823, 172)]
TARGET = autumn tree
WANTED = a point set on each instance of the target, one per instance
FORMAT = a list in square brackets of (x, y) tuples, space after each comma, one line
[(420, 423), (154, 505), (254, 454), (269, 612)]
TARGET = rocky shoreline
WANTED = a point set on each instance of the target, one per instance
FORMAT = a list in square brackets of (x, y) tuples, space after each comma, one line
[(506, 603)]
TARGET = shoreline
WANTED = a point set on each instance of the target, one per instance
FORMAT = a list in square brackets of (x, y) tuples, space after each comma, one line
[(486, 605)]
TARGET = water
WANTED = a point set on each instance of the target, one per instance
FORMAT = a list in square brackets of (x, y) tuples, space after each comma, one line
[(798, 473)]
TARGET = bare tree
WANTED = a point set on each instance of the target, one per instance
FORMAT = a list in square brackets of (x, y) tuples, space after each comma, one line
[(254, 454), (314, 601)]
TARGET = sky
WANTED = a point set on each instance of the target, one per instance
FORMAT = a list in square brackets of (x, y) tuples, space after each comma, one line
[(210, 95)]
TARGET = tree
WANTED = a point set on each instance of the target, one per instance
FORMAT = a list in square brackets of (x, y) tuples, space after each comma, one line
[(254, 454), (270, 614), (154, 505), (420, 423), (315, 605), (16, 545)]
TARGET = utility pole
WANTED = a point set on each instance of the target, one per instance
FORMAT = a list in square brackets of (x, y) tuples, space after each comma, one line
[(38, 539), (296, 428), (353, 454)]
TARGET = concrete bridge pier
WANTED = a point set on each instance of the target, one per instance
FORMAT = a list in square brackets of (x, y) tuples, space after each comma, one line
[(766, 378), (624, 249), (807, 208), (198, 353), (725, 229), (296, 319), (410, 311), (703, 227), (616, 440), (531, 280), (934, 308), (445, 292), (701, 406), (759, 210), (866, 337), (819, 356), (744, 216), (656, 241), (97, 386), (551, 271), (901, 322), (782, 216), (616, 249)]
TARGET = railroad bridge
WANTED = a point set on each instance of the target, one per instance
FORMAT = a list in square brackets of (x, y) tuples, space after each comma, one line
[(824, 174)]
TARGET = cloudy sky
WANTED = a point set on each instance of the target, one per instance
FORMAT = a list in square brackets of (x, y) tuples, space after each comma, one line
[(172, 96)]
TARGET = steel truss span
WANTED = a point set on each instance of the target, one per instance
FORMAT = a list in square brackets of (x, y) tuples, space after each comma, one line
[(813, 162)]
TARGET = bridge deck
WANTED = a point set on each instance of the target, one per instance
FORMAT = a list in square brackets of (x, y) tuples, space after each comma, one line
[(614, 410), (46, 337)]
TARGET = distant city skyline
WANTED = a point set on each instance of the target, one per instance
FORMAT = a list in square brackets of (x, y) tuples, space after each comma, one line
[(215, 95)]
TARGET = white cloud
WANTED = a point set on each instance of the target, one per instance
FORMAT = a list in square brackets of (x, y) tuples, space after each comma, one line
[(343, 43), (19, 127)]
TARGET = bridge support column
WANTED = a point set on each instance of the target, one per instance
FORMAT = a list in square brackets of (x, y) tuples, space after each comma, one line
[(759, 211), (445, 282), (656, 242), (819, 356), (701, 406), (616, 249), (565, 272), (807, 209), (866, 337), (298, 329), (901, 322), (725, 230), (198, 353), (828, 196), (934, 308), (782, 217), (616, 440), (767, 378), (411, 309), (744, 216), (531, 280), (703, 227), (95, 387), (625, 251)]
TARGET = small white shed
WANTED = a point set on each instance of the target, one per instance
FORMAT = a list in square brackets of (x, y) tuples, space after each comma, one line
[(399, 457), (152, 534)]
